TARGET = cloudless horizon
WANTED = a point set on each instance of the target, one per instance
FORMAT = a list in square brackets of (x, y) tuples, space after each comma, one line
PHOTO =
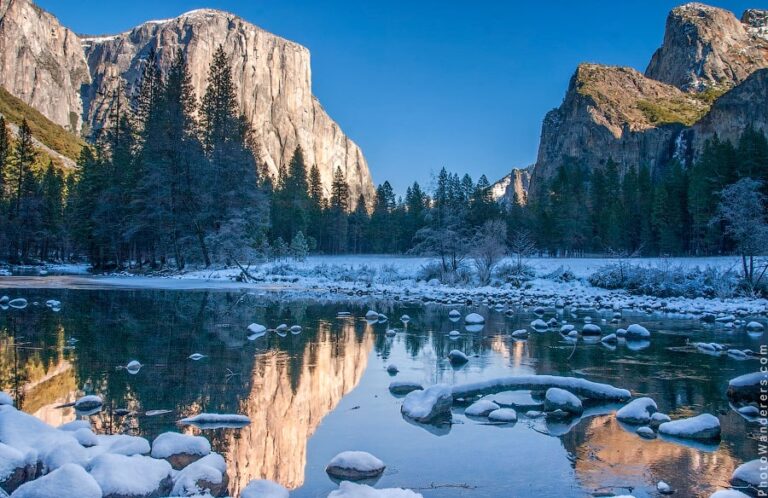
[(422, 85)]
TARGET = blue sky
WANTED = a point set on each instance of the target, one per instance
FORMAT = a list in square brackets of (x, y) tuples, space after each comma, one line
[(425, 84)]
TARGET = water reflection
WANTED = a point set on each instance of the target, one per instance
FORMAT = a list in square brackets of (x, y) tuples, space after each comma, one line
[(312, 394)]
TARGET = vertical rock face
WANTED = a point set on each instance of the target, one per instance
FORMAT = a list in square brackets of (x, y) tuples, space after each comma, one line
[(71, 80), (513, 187), (708, 47), (272, 77), (619, 114), (42, 62)]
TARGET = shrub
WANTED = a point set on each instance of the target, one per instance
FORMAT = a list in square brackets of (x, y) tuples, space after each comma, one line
[(512, 273)]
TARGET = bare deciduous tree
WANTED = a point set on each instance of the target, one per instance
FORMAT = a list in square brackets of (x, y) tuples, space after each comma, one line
[(521, 246), (488, 247), (742, 208)]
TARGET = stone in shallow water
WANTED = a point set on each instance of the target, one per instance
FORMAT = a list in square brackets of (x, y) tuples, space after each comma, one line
[(636, 331), (428, 405), (404, 387), (749, 474), (747, 387), (659, 418), (457, 357), (646, 432), (505, 415), (704, 427), (481, 408), (207, 475), (474, 319), (591, 329), (355, 465), (637, 411), (560, 399)]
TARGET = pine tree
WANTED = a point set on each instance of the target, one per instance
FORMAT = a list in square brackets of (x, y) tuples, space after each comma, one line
[(358, 226), (22, 157), (338, 212), (5, 152)]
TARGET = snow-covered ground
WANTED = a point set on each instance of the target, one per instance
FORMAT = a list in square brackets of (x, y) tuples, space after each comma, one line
[(397, 277)]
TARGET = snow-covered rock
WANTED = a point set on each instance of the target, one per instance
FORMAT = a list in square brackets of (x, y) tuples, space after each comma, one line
[(205, 476), (646, 432), (747, 387), (728, 493), (581, 387), (610, 339), (560, 399), (351, 490), (474, 319), (217, 420), (392, 369), (454, 315), (590, 329), (749, 474), (88, 403), (18, 303), (664, 488), (121, 476), (636, 331), (704, 426), (68, 480), (520, 334), (371, 315), (180, 449), (755, 327), (262, 488), (659, 418), (14, 468), (481, 408), (506, 415), (457, 357), (539, 324), (638, 411), (404, 387), (86, 438), (355, 465), (256, 330), (428, 405)]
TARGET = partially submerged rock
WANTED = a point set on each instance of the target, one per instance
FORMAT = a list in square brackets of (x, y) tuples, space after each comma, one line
[(15, 470), (217, 420), (581, 387), (505, 415), (457, 357), (747, 387), (474, 319), (89, 403), (180, 449), (560, 399), (428, 405), (646, 432), (637, 332), (638, 411), (749, 475), (404, 387), (481, 408), (704, 427), (590, 329), (355, 465)]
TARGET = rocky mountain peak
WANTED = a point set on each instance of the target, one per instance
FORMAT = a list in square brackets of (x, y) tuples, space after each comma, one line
[(72, 79), (707, 47)]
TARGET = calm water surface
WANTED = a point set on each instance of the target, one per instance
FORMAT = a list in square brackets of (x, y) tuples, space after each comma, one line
[(314, 394)]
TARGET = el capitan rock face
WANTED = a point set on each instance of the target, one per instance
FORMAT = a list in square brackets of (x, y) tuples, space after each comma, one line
[(71, 80), (513, 187), (41, 62), (273, 82)]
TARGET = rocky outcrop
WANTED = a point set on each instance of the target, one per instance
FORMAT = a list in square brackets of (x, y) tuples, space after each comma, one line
[(708, 47), (614, 113), (42, 62), (708, 78), (272, 77), (513, 187)]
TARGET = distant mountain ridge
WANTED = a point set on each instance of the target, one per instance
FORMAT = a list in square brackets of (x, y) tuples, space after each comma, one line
[(72, 80), (710, 76)]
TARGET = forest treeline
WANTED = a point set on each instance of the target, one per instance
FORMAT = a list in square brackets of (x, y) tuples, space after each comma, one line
[(173, 180)]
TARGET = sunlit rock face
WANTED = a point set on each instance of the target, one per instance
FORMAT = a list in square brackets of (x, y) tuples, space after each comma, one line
[(608, 457), (286, 407), (272, 77), (56, 387), (42, 62)]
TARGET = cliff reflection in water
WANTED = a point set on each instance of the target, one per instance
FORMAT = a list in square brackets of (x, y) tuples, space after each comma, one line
[(284, 416)]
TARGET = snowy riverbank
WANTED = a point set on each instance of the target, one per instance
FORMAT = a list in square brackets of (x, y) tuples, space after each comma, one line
[(341, 278)]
